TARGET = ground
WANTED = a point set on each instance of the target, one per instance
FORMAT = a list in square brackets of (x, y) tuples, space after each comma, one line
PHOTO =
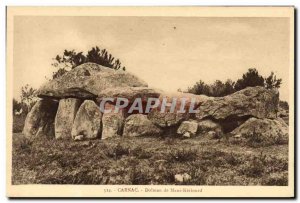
[(148, 160)]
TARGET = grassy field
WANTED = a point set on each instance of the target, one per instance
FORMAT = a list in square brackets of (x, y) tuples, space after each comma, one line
[(148, 160)]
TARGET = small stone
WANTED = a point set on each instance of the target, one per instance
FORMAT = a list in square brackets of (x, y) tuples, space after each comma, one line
[(79, 138), (186, 135), (186, 177), (179, 178), (237, 136), (182, 177), (188, 128)]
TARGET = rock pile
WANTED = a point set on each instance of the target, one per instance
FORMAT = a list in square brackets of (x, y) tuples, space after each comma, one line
[(69, 109)]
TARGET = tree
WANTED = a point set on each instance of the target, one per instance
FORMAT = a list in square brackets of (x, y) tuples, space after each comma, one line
[(249, 79), (71, 59), (229, 87), (199, 88), (28, 97), (220, 89), (272, 81)]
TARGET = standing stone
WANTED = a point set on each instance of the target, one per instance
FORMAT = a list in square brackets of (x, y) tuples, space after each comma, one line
[(87, 123), (65, 116), (40, 120), (112, 122), (140, 125), (188, 129)]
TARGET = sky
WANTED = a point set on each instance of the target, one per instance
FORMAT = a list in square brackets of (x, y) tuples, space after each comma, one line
[(167, 52)]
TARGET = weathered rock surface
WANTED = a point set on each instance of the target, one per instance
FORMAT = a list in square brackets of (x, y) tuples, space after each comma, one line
[(166, 119), (140, 125), (65, 116), (208, 125), (264, 130), (169, 117), (112, 122), (87, 81), (211, 128), (129, 93), (87, 122), (40, 120), (188, 128), (252, 101)]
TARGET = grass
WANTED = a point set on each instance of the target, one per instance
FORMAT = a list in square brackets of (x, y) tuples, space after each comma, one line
[(147, 160)]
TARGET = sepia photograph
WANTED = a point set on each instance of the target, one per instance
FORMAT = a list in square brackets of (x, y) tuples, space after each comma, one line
[(150, 102)]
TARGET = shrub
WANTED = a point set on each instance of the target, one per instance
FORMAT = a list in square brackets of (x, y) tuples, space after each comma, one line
[(140, 153), (24, 145), (233, 159), (272, 82), (139, 176), (278, 179), (255, 167), (183, 155), (249, 79), (118, 151)]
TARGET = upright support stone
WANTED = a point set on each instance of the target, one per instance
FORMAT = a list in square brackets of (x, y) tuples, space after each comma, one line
[(65, 116), (87, 123), (112, 122), (40, 120)]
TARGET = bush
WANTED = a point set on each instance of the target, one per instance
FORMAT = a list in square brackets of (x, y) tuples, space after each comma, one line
[(255, 167), (117, 151), (278, 179), (140, 153), (139, 176), (183, 155), (249, 79), (255, 139)]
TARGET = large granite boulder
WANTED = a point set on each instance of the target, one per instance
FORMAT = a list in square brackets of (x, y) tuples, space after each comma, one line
[(166, 118), (65, 116), (250, 102), (87, 123), (87, 81), (129, 93), (188, 128), (112, 122), (40, 120), (139, 125), (169, 116), (263, 130)]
